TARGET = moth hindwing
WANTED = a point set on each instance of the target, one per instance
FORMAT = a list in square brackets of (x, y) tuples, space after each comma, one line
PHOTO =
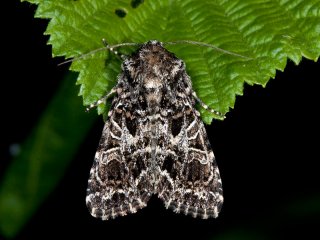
[(154, 142)]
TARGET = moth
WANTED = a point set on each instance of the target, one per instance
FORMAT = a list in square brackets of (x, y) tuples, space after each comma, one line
[(154, 142)]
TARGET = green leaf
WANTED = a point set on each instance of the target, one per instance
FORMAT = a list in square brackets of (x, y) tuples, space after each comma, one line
[(44, 157), (269, 32)]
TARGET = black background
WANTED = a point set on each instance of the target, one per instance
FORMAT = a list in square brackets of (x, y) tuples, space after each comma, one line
[(266, 149)]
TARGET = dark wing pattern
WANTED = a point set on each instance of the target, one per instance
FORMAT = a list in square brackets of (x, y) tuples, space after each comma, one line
[(154, 142), (118, 182), (189, 179)]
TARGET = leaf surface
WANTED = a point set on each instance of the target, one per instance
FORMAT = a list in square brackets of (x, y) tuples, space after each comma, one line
[(269, 32)]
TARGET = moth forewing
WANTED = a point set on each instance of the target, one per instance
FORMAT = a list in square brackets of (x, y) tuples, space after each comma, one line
[(154, 142)]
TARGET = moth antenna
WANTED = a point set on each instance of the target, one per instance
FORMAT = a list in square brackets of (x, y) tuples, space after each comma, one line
[(206, 45), (106, 47), (119, 55)]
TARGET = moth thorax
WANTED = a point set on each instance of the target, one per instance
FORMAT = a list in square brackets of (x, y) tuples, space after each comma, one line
[(153, 91)]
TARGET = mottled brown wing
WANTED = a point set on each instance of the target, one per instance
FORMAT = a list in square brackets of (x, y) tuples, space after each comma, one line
[(118, 182), (189, 180)]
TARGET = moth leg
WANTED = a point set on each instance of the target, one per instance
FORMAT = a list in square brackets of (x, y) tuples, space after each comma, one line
[(115, 52), (205, 106), (101, 100)]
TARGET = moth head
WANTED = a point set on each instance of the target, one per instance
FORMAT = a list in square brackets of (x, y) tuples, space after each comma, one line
[(154, 43)]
